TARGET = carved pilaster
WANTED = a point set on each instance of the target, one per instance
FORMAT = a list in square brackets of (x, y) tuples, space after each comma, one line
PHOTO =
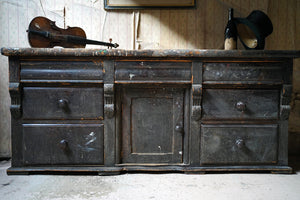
[(196, 90), (16, 103), (196, 98), (285, 99), (109, 106), (285, 112), (109, 113)]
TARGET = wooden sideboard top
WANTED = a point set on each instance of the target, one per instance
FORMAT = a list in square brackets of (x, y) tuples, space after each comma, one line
[(166, 53)]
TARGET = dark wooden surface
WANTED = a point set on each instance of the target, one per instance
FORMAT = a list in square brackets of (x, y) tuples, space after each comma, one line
[(108, 111), (245, 72), (152, 125), (149, 71), (68, 144), (167, 53), (240, 104), (109, 114), (239, 144), (62, 71), (62, 103)]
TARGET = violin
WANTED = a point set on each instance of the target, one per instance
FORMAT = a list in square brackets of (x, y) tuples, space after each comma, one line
[(43, 33)]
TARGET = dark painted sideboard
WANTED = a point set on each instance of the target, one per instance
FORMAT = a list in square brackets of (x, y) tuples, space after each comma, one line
[(112, 111)]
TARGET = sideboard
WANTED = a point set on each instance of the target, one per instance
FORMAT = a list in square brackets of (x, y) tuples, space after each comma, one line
[(111, 111)]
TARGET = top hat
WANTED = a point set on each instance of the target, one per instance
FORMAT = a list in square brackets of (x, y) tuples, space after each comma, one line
[(254, 29)]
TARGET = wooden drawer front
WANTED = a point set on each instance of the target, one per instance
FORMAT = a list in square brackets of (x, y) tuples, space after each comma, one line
[(62, 103), (63, 144), (240, 104), (62, 71), (149, 71), (247, 73), (239, 145)]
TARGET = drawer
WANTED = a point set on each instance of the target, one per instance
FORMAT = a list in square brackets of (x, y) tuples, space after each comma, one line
[(243, 72), (62, 71), (63, 144), (239, 145), (240, 104), (150, 71), (62, 103)]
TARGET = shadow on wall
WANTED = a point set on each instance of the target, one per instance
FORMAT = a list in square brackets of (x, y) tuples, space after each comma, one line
[(197, 28), (203, 27)]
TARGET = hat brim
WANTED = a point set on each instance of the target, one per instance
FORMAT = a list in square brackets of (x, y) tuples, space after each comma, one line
[(260, 39)]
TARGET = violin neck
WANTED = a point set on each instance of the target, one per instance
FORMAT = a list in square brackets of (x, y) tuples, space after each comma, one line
[(115, 45), (81, 40)]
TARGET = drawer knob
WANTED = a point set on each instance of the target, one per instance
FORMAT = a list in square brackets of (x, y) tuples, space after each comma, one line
[(179, 129), (240, 143), (63, 103), (63, 144), (240, 106)]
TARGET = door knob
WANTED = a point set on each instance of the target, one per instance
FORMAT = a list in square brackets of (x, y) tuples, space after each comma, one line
[(240, 106), (63, 144), (179, 129), (240, 143), (62, 103)]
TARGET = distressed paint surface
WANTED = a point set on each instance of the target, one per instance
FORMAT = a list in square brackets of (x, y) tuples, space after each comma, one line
[(236, 145), (149, 118), (221, 104), (78, 103), (247, 72), (61, 71), (83, 144), (156, 126), (166, 53)]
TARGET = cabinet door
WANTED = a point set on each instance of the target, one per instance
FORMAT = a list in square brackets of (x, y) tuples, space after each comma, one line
[(152, 125)]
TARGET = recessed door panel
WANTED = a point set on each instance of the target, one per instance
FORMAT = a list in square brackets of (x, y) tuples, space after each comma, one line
[(152, 125)]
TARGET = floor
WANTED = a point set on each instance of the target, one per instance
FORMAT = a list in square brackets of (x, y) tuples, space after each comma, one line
[(151, 186)]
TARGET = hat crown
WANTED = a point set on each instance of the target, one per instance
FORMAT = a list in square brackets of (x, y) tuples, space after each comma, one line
[(261, 21), (258, 25)]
